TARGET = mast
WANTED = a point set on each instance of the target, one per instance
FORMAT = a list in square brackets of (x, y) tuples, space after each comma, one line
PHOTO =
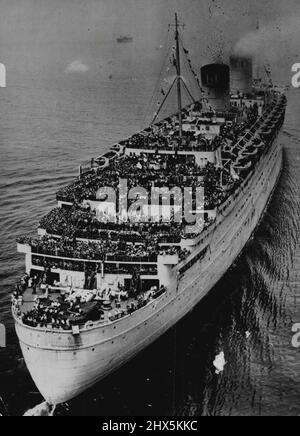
[(178, 70), (178, 80), (258, 69)]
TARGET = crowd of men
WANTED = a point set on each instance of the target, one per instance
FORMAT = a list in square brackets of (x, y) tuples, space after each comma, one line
[(54, 313), (148, 170), (100, 250), (81, 308), (84, 223), (104, 240), (144, 171)]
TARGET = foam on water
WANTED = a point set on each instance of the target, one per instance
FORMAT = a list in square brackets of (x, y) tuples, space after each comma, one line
[(219, 363), (43, 409)]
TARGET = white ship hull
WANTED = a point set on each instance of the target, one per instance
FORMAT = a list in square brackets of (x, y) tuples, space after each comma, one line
[(63, 365)]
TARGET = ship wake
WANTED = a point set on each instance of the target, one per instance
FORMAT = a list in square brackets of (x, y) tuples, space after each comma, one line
[(43, 409)]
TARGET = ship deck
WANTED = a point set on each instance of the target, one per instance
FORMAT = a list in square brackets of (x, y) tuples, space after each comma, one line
[(109, 309)]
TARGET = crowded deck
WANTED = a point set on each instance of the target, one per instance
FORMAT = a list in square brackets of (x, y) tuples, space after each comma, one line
[(39, 305), (197, 162), (86, 268), (102, 250), (145, 171)]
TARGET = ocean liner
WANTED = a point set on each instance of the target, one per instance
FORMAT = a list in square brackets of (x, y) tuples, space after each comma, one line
[(109, 274)]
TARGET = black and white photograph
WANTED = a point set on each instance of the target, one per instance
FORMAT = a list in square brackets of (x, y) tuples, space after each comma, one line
[(149, 210)]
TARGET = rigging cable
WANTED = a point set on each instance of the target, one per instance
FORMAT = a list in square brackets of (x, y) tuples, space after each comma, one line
[(189, 66), (203, 98), (158, 83)]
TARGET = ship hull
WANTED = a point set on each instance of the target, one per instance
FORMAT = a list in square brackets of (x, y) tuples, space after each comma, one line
[(63, 365)]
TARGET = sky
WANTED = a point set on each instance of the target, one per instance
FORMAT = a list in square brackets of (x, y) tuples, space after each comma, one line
[(42, 35)]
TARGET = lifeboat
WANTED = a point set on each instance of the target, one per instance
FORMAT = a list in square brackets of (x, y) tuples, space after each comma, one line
[(251, 152), (259, 145), (102, 162), (111, 155), (276, 110), (235, 152), (119, 149), (241, 161), (266, 133), (269, 123), (242, 168), (227, 148)]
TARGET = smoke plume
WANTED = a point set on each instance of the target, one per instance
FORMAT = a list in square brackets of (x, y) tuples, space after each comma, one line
[(273, 41)]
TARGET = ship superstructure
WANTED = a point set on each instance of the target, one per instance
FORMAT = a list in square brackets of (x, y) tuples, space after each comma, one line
[(129, 250)]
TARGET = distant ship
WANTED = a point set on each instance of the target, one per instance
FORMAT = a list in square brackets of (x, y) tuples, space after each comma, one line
[(98, 291), (124, 39)]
